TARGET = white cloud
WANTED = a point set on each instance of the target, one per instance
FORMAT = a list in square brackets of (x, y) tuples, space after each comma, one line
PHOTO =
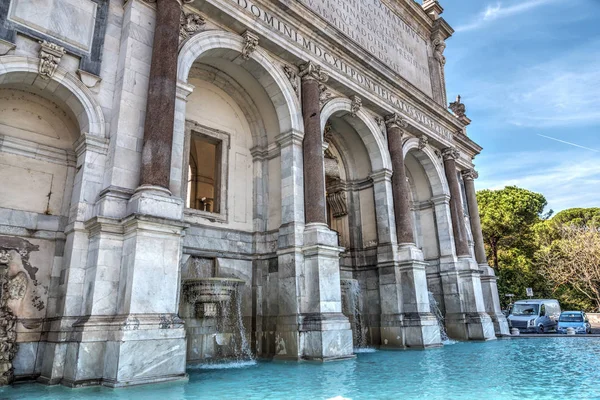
[(498, 11), (566, 179)]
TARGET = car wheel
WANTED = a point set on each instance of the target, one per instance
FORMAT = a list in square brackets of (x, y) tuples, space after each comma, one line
[(541, 329)]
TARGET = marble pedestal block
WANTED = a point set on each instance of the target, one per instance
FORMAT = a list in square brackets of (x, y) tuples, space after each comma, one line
[(491, 300), (325, 333), (406, 318), (106, 350), (465, 317)]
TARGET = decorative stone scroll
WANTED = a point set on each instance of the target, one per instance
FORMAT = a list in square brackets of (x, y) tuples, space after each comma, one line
[(190, 24), (337, 202), (356, 105), (50, 56), (250, 44)]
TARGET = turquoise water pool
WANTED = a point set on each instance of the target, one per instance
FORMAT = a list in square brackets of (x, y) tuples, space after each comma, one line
[(549, 368)]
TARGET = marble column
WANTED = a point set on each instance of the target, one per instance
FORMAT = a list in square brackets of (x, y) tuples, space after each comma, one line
[(489, 284), (160, 108), (324, 333), (404, 228), (314, 173), (456, 210), (406, 319)]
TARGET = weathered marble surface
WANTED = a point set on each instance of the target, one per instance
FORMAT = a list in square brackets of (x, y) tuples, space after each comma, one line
[(71, 21)]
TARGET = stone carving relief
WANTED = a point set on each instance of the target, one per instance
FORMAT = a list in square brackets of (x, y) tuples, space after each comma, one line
[(395, 121), (327, 134), (381, 123), (292, 75), (50, 56), (312, 71), (423, 142), (458, 108), (189, 25), (250, 44), (337, 202), (16, 274), (356, 105), (450, 153), (324, 94), (469, 174)]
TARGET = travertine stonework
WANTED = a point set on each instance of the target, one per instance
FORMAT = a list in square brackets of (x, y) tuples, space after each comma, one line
[(338, 161)]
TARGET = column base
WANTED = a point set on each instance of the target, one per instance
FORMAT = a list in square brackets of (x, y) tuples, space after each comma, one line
[(489, 288), (326, 337), (470, 326), (419, 331), (155, 201)]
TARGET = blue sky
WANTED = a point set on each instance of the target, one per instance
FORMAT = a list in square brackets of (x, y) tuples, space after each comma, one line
[(529, 74)]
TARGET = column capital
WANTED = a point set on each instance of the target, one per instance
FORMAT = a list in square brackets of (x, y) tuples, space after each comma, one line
[(469, 174), (395, 121), (312, 71), (450, 153)]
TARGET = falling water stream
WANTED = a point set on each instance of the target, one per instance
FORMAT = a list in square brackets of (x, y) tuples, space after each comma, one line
[(354, 309), (435, 310)]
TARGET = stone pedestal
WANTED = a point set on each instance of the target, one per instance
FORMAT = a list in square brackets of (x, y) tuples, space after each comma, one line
[(465, 317), (491, 300), (325, 333), (406, 318)]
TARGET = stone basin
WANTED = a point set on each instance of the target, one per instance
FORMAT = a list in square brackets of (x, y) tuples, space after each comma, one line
[(210, 290)]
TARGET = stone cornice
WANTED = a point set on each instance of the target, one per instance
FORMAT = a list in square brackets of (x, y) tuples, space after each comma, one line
[(233, 18)]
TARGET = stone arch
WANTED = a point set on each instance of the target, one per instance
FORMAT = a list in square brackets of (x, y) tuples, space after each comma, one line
[(260, 65), (19, 71), (430, 163), (232, 88), (364, 124)]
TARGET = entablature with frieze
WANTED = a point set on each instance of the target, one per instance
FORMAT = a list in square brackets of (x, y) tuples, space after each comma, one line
[(293, 39)]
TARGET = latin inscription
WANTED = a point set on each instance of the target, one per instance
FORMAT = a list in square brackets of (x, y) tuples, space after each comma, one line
[(329, 58), (379, 30)]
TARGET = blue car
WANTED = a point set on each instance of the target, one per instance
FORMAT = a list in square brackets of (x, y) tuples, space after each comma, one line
[(574, 319)]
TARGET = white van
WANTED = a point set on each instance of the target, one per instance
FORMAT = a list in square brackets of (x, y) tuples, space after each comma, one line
[(535, 315)]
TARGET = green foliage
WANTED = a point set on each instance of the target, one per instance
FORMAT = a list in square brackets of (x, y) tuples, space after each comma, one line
[(507, 218), (525, 245), (517, 273)]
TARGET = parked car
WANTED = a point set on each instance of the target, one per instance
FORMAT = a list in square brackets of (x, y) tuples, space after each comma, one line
[(535, 315), (577, 320)]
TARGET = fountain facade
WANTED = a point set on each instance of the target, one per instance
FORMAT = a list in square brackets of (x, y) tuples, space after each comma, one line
[(208, 160)]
